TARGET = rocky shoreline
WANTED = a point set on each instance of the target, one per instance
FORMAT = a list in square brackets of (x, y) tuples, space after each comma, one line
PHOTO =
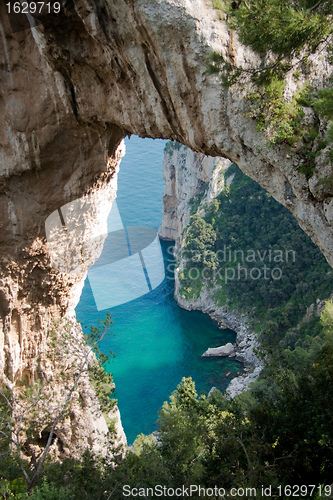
[(246, 342), (202, 187)]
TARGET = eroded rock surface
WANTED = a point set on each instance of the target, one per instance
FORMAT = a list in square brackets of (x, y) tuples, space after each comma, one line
[(189, 178), (141, 66)]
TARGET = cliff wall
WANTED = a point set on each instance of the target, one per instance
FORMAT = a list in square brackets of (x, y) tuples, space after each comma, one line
[(213, 271), (189, 178)]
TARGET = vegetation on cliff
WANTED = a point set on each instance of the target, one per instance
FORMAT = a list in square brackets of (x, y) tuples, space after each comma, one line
[(259, 438), (287, 107), (251, 251)]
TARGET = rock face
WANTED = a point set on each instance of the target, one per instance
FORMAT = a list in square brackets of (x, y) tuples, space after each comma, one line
[(35, 295), (241, 383), (99, 70), (189, 177), (71, 89)]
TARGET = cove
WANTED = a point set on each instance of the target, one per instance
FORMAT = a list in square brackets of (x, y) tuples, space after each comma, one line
[(155, 342)]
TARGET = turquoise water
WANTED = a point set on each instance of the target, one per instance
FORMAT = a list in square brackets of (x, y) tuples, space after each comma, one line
[(155, 342)]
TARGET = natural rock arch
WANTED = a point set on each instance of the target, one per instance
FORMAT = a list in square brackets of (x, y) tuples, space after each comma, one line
[(73, 88)]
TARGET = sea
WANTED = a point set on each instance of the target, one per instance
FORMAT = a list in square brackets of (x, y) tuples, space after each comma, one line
[(155, 342)]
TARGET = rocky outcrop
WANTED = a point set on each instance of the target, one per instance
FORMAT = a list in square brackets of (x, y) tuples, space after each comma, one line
[(239, 384), (35, 294), (71, 88)]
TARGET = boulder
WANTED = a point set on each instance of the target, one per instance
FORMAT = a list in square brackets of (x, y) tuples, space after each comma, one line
[(223, 350)]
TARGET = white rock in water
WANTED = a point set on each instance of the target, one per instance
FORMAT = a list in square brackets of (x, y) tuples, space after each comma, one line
[(223, 350)]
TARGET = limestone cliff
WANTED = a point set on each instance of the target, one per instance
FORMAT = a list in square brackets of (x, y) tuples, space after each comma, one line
[(86, 76), (75, 85), (35, 295)]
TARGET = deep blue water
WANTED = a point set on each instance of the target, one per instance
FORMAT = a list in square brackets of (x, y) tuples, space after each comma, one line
[(155, 342)]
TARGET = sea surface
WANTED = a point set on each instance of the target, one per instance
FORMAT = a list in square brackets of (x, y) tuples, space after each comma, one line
[(155, 342)]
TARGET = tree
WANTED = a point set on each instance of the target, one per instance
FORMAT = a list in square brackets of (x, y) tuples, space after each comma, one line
[(327, 319), (285, 28), (200, 240), (182, 433)]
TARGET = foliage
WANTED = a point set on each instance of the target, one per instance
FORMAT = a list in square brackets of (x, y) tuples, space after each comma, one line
[(257, 439), (202, 240), (172, 146), (190, 286), (250, 230), (324, 104), (327, 319), (199, 249), (280, 119), (102, 381), (51, 492), (218, 4), (285, 392), (324, 107), (283, 27)]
